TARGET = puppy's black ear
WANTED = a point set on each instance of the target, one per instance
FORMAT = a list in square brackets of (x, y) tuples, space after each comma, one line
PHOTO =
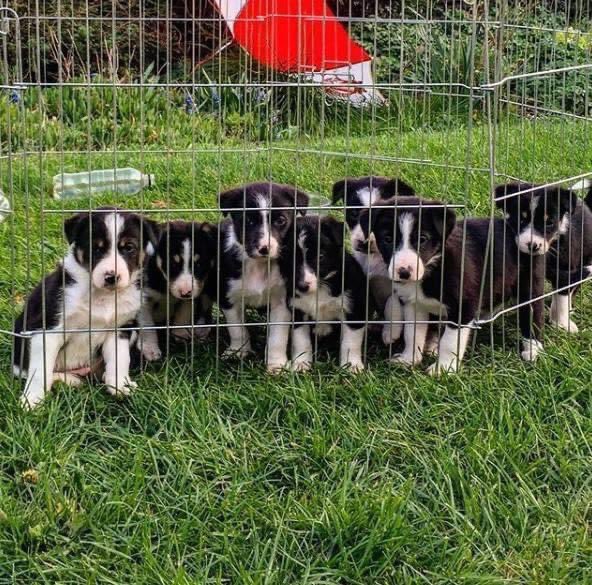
[(364, 220), (567, 201), (150, 234), (298, 199), (211, 237), (72, 224), (444, 219), (332, 229), (397, 187), (338, 191), (232, 199), (508, 189)]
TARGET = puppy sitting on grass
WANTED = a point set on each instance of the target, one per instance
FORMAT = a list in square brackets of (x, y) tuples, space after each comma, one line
[(179, 284), (325, 283), (78, 315), (554, 222), (260, 220)]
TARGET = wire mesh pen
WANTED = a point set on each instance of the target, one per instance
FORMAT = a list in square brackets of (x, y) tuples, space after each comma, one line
[(468, 93)]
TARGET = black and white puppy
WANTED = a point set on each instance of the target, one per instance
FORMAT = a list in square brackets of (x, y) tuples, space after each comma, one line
[(424, 249), (179, 284), (555, 222), (260, 221), (325, 283), (359, 194), (74, 313)]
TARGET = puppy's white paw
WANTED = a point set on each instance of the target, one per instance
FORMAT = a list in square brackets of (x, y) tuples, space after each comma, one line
[(276, 366), (439, 368), (301, 365), (240, 353), (391, 333), (151, 351), (559, 313), (32, 398), (355, 367), (567, 325), (119, 387), (404, 359), (432, 346), (531, 348)]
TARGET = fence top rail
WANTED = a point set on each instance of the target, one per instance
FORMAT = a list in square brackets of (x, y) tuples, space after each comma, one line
[(534, 74), (539, 185)]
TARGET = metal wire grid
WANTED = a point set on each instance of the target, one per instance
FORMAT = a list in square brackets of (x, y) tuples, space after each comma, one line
[(76, 67)]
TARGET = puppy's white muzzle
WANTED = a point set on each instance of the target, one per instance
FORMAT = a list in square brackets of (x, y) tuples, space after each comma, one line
[(186, 287), (309, 282), (531, 242), (111, 273), (406, 266)]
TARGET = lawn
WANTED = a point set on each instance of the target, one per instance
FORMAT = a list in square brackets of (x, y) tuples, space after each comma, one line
[(217, 473)]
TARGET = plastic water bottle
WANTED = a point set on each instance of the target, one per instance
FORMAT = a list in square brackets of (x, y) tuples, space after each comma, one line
[(125, 181)]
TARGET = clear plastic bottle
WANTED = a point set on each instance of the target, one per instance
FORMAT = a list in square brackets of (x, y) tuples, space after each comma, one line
[(126, 181)]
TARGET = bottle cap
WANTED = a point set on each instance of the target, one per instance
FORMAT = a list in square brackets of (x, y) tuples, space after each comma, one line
[(151, 181)]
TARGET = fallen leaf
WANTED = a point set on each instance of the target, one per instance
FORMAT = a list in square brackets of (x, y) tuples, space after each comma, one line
[(30, 476)]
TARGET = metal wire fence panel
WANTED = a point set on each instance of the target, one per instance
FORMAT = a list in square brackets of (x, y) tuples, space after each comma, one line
[(454, 100)]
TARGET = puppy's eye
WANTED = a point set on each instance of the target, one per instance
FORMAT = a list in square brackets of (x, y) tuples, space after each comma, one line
[(176, 259), (524, 214), (423, 239), (387, 238), (249, 221), (128, 247), (280, 221), (354, 213)]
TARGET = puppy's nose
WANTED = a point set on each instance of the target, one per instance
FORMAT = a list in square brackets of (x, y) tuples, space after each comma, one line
[(533, 246), (111, 278), (303, 287), (404, 273), (263, 251), (186, 293)]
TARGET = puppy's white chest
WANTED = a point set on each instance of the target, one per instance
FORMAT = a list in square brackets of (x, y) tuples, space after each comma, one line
[(323, 306), (101, 310), (258, 284), (96, 315)]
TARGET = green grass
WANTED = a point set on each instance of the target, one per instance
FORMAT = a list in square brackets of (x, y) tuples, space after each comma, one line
[(212, 473)]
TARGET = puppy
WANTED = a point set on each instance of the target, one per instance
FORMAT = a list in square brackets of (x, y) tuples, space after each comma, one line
[(359, 194), (179, 283), (325, 283), (260, 219), (423, 247), (75, 312), (553, 221)]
